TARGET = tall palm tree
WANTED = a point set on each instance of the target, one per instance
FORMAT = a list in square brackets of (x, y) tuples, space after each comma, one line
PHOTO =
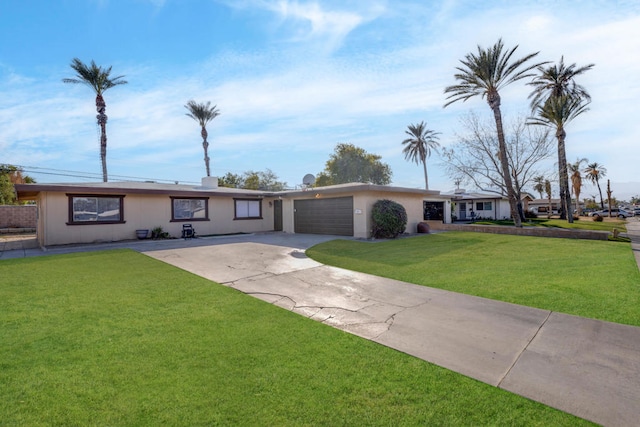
[(593, 172), (203, 114), (556, 81), (575, 171), (419, 146), (556, 113), (99, 80), (539, 187), (547, 189), (484, 74)]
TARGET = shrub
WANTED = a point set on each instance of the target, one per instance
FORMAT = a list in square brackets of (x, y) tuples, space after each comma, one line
[(529, 214), (389, 219), (597, 218)]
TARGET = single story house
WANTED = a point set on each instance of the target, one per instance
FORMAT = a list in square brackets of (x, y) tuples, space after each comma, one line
[(112, 211)]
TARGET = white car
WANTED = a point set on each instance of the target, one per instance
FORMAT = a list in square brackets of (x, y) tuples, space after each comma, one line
[(620, 213)]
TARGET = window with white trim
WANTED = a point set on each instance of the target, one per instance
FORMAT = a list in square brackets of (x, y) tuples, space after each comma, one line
[(248, 209), (483, 206)]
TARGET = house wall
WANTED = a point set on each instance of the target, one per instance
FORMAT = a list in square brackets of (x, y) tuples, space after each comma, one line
[(500, 209), (141, 212), (362, 206)]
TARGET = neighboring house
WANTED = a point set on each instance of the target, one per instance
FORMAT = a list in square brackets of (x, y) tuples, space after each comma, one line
[(469, 206), (112, 211)]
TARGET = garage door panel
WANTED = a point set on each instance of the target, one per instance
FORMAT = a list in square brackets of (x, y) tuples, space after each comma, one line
[(324, 216)]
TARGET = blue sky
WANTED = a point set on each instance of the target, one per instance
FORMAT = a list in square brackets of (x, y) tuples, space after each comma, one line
[(292, 79)]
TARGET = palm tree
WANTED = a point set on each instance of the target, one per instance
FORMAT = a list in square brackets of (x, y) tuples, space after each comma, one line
[(418, 147), (556, 113), (203, 114), (98, 79), (547, 189), (557, 81), (539, 187), (484, 75), (593, 172), (575, 169)]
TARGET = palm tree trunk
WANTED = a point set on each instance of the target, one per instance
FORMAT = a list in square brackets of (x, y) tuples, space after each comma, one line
[(600, 191), (426, 178), (565, 195), (205, 146), (494, 103), (101, 107)]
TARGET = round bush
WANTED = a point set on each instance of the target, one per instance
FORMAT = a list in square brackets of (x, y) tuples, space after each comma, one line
[(597, 218), (389, 219)]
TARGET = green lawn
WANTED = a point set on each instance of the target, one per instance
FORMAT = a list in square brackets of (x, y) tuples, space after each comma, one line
[(117, 338), (596, 279)]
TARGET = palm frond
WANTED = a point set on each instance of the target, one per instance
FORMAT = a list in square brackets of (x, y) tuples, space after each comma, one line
[(203, 113), (97, 78), (488, 71)]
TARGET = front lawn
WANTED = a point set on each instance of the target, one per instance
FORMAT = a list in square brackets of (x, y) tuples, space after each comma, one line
[(584, 223), (118, 338), (596, 279)]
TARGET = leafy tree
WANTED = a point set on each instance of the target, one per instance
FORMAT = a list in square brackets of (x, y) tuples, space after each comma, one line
[(349, 163), (99, 80), (575, 171), (231, 180), (419, 145), (9, 176), (484, 74), (556, 113), (203, 113), (263, 180), (473, 157), (251, 180), (593, 172)]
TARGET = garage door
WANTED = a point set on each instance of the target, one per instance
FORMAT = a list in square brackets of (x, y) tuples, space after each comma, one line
[(324, 216)]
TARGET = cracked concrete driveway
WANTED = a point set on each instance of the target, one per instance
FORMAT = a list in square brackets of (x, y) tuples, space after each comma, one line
[(586, 367)]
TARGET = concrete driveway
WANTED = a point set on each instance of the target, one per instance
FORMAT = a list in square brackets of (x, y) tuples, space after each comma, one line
[(582, 366)]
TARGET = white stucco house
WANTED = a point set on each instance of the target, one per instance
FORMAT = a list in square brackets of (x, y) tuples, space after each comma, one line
[(102, 212), (470, 206)]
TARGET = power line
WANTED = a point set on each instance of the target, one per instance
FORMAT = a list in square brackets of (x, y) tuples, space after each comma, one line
[(90, 175)]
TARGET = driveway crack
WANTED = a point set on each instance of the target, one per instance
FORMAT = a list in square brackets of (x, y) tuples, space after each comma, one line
[(524, 349)]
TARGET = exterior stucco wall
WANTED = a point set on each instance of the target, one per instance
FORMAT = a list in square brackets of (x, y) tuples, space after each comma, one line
[(500, 209), (362, 206), (141, 212)]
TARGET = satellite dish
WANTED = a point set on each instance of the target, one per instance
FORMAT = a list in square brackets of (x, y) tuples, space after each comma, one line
[(309, 179)]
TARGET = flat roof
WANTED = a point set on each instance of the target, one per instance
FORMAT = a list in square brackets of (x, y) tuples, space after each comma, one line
[(30, 191)]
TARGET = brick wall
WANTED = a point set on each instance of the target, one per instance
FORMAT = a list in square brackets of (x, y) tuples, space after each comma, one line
[(18, 216)]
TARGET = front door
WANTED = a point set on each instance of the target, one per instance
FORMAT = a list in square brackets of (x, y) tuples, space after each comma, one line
[(277, 215), (462, 211)]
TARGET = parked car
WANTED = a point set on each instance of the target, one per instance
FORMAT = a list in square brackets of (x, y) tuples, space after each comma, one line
[(620, 213), (636, 211)]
